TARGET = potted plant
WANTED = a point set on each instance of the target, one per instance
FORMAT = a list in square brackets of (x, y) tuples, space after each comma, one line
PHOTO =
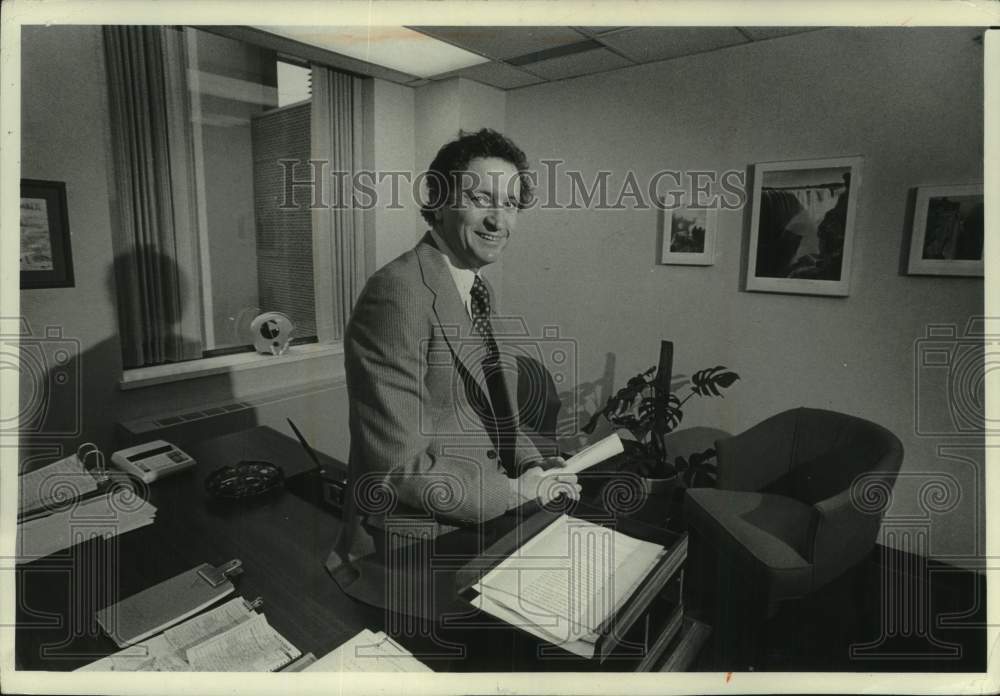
[(650, 413)]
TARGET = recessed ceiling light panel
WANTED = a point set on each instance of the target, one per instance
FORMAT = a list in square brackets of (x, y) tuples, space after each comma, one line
[(397, 48)]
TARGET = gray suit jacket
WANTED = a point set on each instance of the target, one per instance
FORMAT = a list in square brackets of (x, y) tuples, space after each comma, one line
[(422, 461)]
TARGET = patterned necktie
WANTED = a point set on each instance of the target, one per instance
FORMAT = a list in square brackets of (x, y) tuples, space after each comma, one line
[(500, 422), (480, 301)]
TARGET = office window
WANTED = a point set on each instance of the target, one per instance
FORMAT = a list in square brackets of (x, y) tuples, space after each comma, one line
[(294, 82), (256, 257), (204, 243)]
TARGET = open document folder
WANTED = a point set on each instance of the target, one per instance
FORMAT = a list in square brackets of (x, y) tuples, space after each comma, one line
[(230, 638), (567, 581), (113, 513), (53, 484)]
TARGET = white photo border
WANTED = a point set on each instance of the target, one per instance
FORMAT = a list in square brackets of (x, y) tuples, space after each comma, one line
[(938, 267), (834, 288), (706, 257)]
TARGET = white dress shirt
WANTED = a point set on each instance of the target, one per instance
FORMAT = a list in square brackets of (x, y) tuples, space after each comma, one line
[(463, 277)]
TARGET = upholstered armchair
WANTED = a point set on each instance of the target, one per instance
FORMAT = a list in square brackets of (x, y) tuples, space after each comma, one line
[(798, 502)]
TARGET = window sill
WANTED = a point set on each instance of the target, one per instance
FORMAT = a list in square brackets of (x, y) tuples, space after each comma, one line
[(223, 364)]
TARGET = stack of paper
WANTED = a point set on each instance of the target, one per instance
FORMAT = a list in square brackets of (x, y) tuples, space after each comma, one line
[(55, 483), (369, 652), (105, 516), (565, 582), (230, 638)]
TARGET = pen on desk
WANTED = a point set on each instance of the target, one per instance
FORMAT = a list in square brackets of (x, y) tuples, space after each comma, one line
[(305, 445)]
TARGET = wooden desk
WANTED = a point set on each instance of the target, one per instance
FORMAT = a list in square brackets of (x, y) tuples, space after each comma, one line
[(281, 539)]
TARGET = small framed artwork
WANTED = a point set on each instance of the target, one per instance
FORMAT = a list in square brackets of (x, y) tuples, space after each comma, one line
[(802, 226), (689, 236), (947, 235), (46, 258)]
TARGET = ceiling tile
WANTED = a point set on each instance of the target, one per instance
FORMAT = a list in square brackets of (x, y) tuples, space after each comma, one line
[(576, 64), (496, 74), (504, 42), (761, 33), (646, 44)]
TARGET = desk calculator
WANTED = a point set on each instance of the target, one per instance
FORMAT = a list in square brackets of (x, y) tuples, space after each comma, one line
[(152, 460)]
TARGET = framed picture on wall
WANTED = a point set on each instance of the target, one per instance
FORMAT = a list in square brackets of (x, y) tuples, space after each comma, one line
[(802, 226), (947, 235), (689, 236), (46, 258)]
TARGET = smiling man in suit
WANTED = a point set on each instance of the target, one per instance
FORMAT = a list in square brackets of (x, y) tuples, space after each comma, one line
[(433, 432)]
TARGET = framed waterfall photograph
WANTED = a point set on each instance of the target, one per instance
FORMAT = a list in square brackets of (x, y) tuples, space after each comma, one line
[(802, 226)]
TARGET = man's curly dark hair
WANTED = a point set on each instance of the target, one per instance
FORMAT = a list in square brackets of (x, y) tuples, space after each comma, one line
[(454, 157)]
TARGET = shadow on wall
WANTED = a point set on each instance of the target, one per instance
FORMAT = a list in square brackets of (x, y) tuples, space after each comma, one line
[(566, 413), (554, 419), (69, 396), (580, 404), (589, 398)]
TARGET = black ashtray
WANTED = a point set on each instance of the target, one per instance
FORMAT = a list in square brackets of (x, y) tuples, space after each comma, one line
[(245, 479)]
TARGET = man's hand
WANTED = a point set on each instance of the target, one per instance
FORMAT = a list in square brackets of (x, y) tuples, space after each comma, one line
[(549, 463), (543, 484)]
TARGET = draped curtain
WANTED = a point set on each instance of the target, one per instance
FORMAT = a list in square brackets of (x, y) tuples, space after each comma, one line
[(155, 235), (337, 129)]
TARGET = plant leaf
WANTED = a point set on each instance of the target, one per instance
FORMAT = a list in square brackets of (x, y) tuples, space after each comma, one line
[(702, 458), (726, 379), (709, 381)]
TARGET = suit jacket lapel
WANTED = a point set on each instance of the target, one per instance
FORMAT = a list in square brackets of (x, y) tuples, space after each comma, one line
[(456, 326)]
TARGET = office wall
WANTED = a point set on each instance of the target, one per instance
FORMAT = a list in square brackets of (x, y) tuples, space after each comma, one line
[(64, 117), (394, 150), (437, 119), (909, 101)]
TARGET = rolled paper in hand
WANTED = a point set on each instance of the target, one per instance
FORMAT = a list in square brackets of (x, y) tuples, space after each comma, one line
[(595, 454)]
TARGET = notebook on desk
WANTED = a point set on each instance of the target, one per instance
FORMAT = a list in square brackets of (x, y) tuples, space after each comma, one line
[(164, 604)]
